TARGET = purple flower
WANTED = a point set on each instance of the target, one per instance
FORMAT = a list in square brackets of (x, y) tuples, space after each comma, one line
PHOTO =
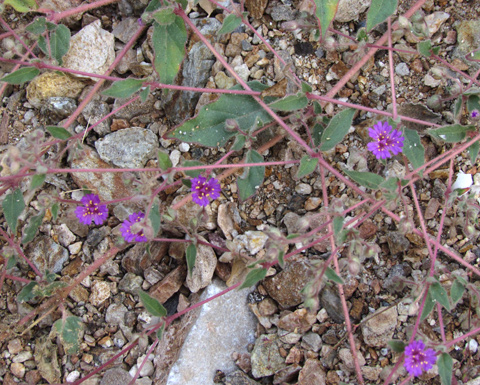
[(417, 359), (386, 140), (91, 210), (475, 115), (204, 191), (135, 234)]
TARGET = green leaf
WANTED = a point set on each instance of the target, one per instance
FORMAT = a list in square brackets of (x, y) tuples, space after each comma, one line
[(445, 368), (473, 103), (13, 206), (22, 5), (49, 290), (474, 56), (281, 260), (164, 16), (366, 179), (332, 276), (239, 142), (123, 88), (429, 305), (37, 181), (252, 177), (208, 127), (337, 129), (160, 331), (230, 23), (192, 163), (379, 11), (325, 12), (473, 151), (144, 94), (164, 161), (451, 134), (290, 103), (457, 290), (26, 294), (54, 211), (317, 133), (253, 277), (154, 217), (191, 255), (458, 106), (440, 294), (60, 42), (153, 306), (38, 26), (425, 48), (413, 149), (70, 333), (59, 132), (12, 262), (307, 166), (42, 44), (391, 184), (308, 88), (31, 229), (21, 76), (169, 46), (337, 225), (397, 346)]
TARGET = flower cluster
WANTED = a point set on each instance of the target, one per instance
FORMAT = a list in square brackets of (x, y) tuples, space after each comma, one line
[(204, 191), (91, 210), (418, 359), (131, 231), (386, 140)]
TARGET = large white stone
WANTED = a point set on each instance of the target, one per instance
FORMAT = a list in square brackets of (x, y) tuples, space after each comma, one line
[(225, 325)]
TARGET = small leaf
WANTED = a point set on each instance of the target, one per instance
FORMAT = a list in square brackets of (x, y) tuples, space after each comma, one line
[(123, 88), (144, 94), (458, 106), (317, 133), (26, 294), (451, 134), (440, 294), (457, 290), (337, 226), (254, 276), (31, 229), (160, 331), (169, 46), (379, 11), (429, 305), (37, 27), (191, 255), (337, 129), (37, 181), (152, 305), (445, 368), (59, 132), (473, 151), (164, 16), (192, 163), (332, 276), (307, 166), (425, 47), (325, 12), (307, 88), (13, 206), (21, 76), (230, 23), (22, 5), (54, 211), (12, 261), (474, 56), (252, 177), (154, 217), (70, 333), (413, 149), (164, 161), (60, 42), (366, 179), (397, 346), (290, 103), (239, 142), (280, 258)]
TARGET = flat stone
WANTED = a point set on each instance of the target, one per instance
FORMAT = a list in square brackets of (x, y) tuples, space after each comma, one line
[(312, 373), (130, 283), (228, 216), (239, 378), (53, 84), (379, 329), (250, 241), (205, 264), (300, 321), (130, 148), (346, 357), (18, 369), (137, 258), (286, 286), (266, 358), (397, 242), (349, 10), (65, 236), (330, 301), (95, 111), (46, 254), (432, 208), (125, 29), (311, 341), (91, 50), (100, 293), (169, 285), (116, 376)]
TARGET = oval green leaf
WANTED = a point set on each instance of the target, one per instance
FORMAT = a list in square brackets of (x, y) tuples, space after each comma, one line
[(21, 76), (337, 129), (379, 11), (440, 295), (22, 5), (191, 255), (60, 42), (13, 206), (254, 276), (230, 23), (451, 134), (58, 132), (445, 368), (252, 177), (366, 179), (307, 166), (290, 103), (31, 229), (153, 306), (325, 12), (413, 149), (124, 88)]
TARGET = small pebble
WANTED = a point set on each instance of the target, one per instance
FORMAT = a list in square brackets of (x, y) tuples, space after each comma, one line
[(184, 147), (17, 369), (303, 188), (402, 69)]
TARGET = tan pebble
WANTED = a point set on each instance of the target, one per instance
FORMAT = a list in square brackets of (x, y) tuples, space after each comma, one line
[(312, 203), (15, 346), (17, 369)]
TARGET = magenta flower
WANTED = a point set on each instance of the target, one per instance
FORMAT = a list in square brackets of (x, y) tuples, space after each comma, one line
[(133, 235), (204, 191), (475, 115), (91, 210), (417, 359), (386, 140)]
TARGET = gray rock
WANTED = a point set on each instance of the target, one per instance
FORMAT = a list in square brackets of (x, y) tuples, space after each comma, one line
[(58, 107), (312, 373), (402, 69), (330, 301), (266, 358), (349, 10), (125, 29), (283, 13), (100, 293), (116, 376), (379, 329), (115, 314), (311, 341), (130, 283), (65, 236), (91, 50), (393, 282), (93, 112), (397, 242), (46, 254), (239, 378), (346, 357), (131, 147), (468, 38), (202, 273), (303, 188)]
